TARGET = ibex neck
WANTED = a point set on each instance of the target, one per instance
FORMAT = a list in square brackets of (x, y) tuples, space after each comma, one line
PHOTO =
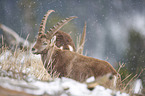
[(47, 54)]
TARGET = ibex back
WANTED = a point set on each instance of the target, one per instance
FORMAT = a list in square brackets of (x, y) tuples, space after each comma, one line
[(67, 63)]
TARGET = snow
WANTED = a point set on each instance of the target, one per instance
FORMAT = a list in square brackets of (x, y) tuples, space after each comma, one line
[(91, 79), (26, 70), (137, 86), (5, 55), (22, 60), (58, 87), (101, 91)]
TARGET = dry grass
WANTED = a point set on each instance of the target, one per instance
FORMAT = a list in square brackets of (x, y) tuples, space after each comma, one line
[(22, 64), (126, 84)]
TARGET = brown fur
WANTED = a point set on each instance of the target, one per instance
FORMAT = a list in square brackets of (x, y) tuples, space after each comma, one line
[(71, 64), (64, 39), (67, 63), (78, 67)]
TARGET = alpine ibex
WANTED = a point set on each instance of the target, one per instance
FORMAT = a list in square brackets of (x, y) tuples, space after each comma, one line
[(67, 63)]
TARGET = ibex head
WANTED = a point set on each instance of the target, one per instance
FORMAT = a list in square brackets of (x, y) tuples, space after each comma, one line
[(46, 40), (40, 44)]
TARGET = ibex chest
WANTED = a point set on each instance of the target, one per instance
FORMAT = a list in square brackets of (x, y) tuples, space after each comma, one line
[(53, 60)]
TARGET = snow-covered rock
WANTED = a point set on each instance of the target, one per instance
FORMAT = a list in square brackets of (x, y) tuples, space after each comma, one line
[(58, 87), (137, 88)]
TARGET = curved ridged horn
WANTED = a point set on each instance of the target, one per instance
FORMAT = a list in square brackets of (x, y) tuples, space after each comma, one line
[(60, 25), (43, 22)]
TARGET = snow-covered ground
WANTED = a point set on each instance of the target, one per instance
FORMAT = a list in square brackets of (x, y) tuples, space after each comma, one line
[(57, 87), (27, 65)]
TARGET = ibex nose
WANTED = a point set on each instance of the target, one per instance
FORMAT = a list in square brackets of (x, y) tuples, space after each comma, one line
[(33, 49)]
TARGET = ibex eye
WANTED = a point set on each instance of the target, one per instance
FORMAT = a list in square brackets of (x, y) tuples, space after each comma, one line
[(40, 33), (44, 43), (43, 36)]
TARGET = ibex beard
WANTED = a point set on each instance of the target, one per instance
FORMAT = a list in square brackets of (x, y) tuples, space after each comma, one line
[(69, 64)]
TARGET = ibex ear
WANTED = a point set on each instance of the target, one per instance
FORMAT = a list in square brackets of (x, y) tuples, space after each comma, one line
[(53, 40)]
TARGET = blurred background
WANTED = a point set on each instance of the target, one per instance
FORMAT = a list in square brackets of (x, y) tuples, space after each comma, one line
[(115, 28)]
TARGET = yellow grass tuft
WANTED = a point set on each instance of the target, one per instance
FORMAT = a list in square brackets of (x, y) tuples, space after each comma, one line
[(126, 84), (22, 64)]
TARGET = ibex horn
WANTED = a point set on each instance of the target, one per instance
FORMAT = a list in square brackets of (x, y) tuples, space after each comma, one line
[(83, 35), (59, 25), (82, 42), (43, 22)]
